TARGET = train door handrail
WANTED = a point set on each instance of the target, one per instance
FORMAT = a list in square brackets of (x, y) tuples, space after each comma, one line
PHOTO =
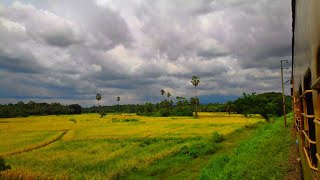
[(308, 159), (316, 85), (304, 133), (305, 93)]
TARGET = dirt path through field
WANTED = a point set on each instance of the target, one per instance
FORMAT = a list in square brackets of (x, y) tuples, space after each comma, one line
[(41, 145), (294, 161)]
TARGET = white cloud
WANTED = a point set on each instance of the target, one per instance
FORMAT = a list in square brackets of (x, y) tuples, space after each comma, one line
[(69, 50), (12, 26)]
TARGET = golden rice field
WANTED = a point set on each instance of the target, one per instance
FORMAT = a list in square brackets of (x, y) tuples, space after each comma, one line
[(89, 147)]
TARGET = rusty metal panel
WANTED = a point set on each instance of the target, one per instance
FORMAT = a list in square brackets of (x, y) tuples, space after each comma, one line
[(306, 54)]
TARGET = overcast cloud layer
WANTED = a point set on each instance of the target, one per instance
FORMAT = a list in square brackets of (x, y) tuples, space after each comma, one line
[(67, 51)]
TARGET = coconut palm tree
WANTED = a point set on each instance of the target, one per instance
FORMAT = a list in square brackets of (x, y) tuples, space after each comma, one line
[(168, 95), (162, 93), (98, 98), (195, 81), (118, 99)]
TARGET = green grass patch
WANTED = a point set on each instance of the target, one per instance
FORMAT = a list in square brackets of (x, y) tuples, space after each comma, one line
[(125, 120), (184, 165), (262, 156), (199, 149), (217, 137)]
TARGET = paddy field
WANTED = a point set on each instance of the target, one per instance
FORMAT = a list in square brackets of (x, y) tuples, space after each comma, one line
[(116, 146)]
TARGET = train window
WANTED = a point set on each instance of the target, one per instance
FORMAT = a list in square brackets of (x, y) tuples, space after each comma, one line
[(309, 110)]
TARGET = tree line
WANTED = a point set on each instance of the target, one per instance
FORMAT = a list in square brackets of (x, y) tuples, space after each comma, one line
[(164, 108), (32, 108), (181, 107), (267, 104)]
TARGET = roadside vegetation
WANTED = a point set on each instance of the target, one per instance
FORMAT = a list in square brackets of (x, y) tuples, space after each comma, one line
[(264, 155)]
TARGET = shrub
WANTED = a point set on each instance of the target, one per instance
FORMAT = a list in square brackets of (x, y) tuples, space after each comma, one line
[(148, 141), (163, 113), (103, 114), (185, 150), (199, 149), (217, 137), (182, 112), (130, 120), (3, 165)]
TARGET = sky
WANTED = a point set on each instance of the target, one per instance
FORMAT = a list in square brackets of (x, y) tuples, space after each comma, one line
[(67, 51)]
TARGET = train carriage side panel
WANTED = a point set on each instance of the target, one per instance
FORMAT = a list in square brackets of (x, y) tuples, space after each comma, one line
[(306, 72)]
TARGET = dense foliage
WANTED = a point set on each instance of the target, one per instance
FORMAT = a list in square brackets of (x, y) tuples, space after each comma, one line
[(266, 104), (22, 109)]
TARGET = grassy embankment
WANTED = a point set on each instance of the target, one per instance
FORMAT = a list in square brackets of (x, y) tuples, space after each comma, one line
[(180, 166), (262, 156), (110, 147)]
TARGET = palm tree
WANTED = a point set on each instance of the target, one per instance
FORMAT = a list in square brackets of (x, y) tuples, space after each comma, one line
[(162, 93), (98, 98), (118, 99), (168, 95), (195, 81)]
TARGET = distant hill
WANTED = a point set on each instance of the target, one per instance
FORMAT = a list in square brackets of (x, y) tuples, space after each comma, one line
[(216, 98)]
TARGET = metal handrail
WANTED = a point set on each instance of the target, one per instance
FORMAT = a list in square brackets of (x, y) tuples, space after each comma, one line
[(317, 121), (309, 140), (305, 92), (307, 116), (316, 85), (308, 160), (317, 156)]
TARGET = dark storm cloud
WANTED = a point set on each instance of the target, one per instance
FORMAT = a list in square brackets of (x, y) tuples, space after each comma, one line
[(133, 49), (19, 64), (259, 30), (104, 28)]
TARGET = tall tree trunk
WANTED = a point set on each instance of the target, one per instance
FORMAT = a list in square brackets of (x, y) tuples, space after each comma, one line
[(195, 98)]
